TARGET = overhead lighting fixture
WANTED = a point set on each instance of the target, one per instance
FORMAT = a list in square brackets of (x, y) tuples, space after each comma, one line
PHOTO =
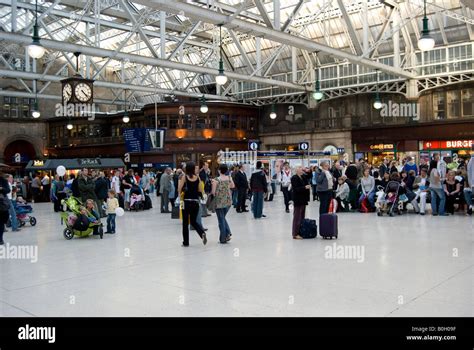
[(35, 49), (221, 78), (204, 107), (125, 118), (317, 94), (426, 42), (69, 126), (35, 113), (273, 114), (378, 101)]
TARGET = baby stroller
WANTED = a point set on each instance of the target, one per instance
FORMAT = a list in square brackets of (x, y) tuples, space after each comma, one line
[(137, 199), (77, 223), (22, 214), (388, 199)]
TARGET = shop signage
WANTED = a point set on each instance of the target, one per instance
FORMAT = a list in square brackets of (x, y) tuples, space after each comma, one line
[(341, 150), (453, 144), (382, 147), (38, 163), (88, 162)]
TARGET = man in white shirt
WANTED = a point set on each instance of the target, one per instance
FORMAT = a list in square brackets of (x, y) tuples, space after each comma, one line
[(46, 187), (285, 180), (115, 184)]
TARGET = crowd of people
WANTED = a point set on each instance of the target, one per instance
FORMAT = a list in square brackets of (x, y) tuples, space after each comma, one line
[(357, 186)]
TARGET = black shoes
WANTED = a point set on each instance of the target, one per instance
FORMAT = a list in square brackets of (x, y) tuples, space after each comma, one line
[(204, 239), (2, 243), (287, 210), (469, 211)]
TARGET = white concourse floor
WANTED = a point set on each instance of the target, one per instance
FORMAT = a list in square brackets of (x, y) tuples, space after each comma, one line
[(411, 266)]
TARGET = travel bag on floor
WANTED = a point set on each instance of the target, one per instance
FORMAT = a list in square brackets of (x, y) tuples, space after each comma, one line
[(328, 226), (175, 212), (148, 204), (308, 228)]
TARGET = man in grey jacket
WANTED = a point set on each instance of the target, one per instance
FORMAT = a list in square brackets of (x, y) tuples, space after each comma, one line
[(165, 187)]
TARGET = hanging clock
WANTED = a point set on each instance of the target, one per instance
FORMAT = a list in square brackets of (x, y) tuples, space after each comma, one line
[(77, 90)]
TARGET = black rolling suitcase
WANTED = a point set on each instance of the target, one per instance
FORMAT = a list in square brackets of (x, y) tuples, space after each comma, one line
[(328, 228)]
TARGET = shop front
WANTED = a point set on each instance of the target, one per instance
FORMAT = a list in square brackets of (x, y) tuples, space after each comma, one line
[(73, 165), (374, 153), (455, 149)]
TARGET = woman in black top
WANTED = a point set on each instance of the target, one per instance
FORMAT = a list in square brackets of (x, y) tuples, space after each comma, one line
[(452, 188), (189, 185), (301, 194), (4, 190)]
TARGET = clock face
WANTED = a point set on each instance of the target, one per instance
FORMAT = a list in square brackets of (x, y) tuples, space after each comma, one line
[(83, 92), (67, 92)]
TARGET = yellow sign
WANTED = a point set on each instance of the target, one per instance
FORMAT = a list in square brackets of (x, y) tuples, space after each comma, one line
[(382, 147), (38, 163)]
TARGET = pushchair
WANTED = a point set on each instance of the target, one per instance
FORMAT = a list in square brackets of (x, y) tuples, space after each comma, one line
[(137, 199), (388, 199), (77, 223), (22, 214)]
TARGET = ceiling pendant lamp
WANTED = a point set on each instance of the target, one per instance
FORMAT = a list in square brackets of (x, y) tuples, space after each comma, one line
[(426, 42), (204, 107), (378, 100), (125, 118), (221, 78), (35, 113), (317, 93), (35, 49), (273, 114)]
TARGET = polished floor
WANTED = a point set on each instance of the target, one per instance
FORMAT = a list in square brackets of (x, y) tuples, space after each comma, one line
[(410, 266)]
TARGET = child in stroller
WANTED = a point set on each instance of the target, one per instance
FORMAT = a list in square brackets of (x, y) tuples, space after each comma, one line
[(82, 221), (22, 210), (394, 196), (137, 199)]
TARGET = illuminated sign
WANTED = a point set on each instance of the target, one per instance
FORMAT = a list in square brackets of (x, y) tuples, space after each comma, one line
[(453, 144), (382, 147), (38, 163)]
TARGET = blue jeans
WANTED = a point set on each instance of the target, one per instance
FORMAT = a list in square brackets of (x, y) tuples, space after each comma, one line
[(437, 193), (224, 228), (370, 198), (235, 198), (257, 205), (468, 195), (111, 222), (13, 219)]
